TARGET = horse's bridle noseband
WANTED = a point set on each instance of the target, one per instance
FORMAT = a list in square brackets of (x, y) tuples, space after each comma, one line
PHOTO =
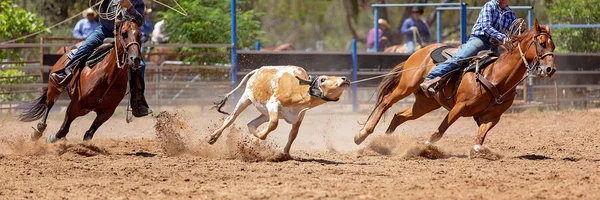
[(537, 58)]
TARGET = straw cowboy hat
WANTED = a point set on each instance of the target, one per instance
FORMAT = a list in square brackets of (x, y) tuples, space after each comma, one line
[(88, 12), (383, 22)]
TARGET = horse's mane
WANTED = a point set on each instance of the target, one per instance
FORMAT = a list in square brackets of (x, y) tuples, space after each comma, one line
[(516, 37)]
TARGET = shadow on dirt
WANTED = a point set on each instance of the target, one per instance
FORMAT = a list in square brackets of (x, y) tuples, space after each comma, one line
[(141, 154), (533, 157), (327, 162)]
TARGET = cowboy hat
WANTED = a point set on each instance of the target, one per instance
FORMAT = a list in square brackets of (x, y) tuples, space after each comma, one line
[(89, 11), (383, 22)]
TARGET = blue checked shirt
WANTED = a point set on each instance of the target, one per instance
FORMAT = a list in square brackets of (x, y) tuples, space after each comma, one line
[(493, 21)]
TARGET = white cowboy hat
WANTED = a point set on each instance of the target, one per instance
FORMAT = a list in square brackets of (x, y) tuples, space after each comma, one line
[(383, 22), (89, 11)]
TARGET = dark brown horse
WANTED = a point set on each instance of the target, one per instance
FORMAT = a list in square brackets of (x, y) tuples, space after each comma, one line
[(99, 89), (471, 98)]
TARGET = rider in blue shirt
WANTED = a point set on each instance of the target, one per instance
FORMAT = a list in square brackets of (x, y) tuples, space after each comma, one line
[(135, 9), (494, 19)]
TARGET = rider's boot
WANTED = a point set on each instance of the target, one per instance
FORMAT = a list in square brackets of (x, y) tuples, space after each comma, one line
[(64, 75), (428, 86), (139, 106)]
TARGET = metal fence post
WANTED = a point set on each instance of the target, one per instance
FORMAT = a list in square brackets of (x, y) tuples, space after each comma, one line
[(529, 18), (233, 45), (438, 25), (354, 76), (375, 21), (463, 22), (530, 81)]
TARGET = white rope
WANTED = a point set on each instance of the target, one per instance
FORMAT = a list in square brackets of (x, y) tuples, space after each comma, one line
[(393, 73), (50, 27), (182, 12)]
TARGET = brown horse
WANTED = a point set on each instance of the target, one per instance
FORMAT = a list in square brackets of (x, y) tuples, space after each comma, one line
[(471, 98), (99, 89)]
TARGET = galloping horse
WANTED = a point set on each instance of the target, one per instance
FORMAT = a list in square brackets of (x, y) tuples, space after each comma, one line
[(472, 98), (99, 89)]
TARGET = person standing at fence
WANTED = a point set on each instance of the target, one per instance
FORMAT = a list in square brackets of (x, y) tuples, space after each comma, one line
[(86, 25), (415, 30), (383, 25), (487, 34), (135, 9)]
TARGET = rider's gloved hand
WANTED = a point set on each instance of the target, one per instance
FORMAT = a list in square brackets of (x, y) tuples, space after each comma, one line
[(413, 28)]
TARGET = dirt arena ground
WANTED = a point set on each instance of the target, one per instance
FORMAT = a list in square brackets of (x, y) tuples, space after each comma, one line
[(535, 155)]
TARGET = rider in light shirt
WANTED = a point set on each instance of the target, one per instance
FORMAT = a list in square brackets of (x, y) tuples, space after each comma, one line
[(494, 19)]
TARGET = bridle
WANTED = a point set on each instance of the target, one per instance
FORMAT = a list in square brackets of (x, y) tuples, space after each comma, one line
[(315, 90), (125, 46), (537, 58)]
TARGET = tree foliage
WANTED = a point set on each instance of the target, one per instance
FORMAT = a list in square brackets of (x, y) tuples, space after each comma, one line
[(16, 22), (576, 12), (209, 22)]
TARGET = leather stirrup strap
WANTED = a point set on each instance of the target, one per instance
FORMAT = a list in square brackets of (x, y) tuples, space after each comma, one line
[(490, 87)]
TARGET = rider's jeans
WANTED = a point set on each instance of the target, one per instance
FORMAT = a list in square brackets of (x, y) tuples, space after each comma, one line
[(474, 45), (94, 40)]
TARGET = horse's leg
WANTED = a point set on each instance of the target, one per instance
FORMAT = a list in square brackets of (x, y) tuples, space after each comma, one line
[(452, 116), (100, 119), (486, 123), (64, 129), (241, 105), (387, 102), (422, 106)]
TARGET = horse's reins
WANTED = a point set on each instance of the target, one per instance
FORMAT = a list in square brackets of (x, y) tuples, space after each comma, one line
[(500, 99)]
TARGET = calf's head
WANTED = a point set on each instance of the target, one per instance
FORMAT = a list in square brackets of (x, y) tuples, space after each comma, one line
[(328, 88)]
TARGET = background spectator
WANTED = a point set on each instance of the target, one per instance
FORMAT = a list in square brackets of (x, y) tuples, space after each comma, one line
[(86, 25), (383, 25), (415, 26)]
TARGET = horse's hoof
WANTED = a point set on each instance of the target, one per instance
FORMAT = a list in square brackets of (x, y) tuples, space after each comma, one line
[(358, 139), (51, 139), (36, 136), (212, 140)]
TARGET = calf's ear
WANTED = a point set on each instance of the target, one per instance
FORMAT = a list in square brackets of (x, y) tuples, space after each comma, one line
[(304, 81)]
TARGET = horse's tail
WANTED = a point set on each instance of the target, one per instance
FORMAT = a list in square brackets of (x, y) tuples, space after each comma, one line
[(36, 108), (387, 86), (221, 103)]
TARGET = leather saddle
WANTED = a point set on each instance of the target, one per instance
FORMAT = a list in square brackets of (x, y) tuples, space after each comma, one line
[(98, 54), (478, 62)]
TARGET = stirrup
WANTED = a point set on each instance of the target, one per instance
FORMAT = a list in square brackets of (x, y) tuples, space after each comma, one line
[(429, 86)]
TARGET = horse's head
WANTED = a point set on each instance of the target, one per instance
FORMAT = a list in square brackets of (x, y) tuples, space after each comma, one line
[(541, 55), (130, 37)]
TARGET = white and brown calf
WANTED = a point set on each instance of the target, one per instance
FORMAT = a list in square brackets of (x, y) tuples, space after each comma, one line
[(281, 92)]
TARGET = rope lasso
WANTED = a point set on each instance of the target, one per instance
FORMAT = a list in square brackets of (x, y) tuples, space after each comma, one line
[(50, 27), (419, 67)]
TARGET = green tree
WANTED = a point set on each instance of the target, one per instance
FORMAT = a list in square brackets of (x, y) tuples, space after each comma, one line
[(16, 22), (209, 22), (576, 12)]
